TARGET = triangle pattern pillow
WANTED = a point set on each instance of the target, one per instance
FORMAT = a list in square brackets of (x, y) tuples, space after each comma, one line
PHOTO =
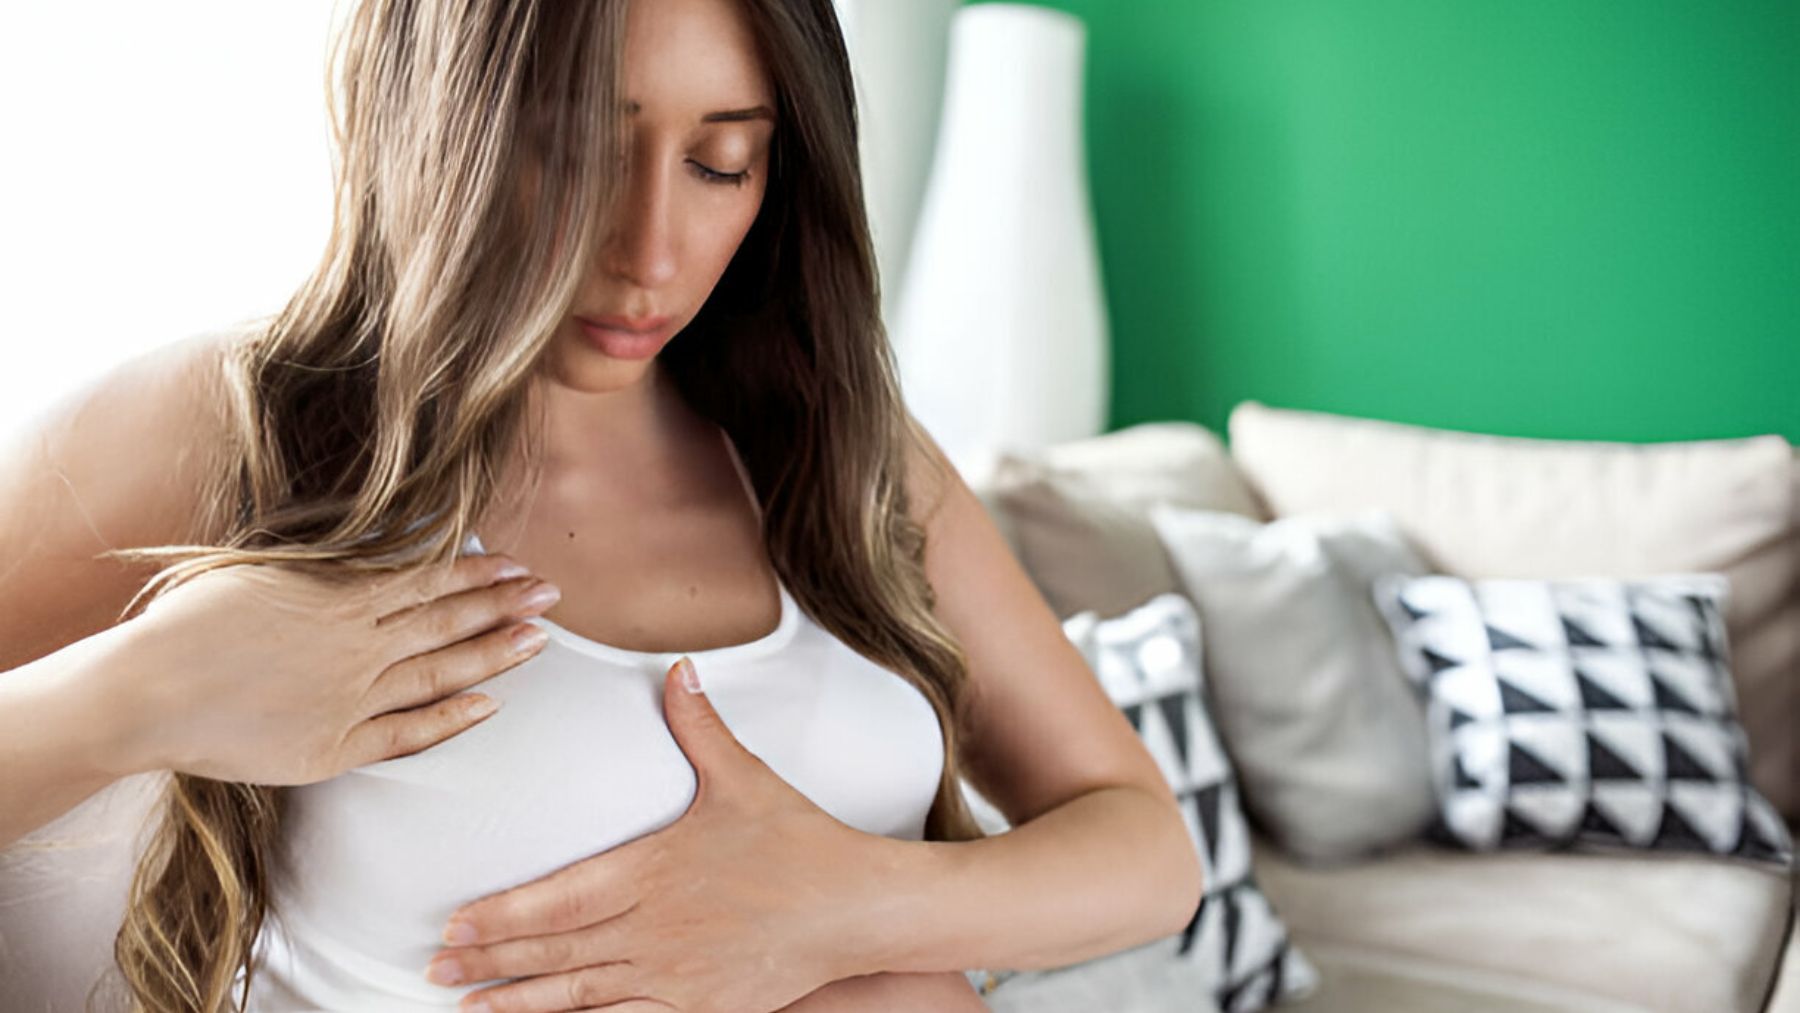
[(1592, 712), (1148, 660)]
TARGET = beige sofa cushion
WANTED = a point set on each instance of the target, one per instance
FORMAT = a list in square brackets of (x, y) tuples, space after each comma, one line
[(1363, 979), (1672, 933), (1492, 506), (1077, 515), (1786, 998)]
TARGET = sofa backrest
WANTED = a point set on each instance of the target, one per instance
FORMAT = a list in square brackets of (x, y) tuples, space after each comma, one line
[(1075, 514), (1474, 505), (1488, 506)]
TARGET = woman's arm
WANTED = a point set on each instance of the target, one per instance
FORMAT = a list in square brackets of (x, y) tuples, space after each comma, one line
[(1094, 875), (117, 461), (61, 740), (1098, 859)]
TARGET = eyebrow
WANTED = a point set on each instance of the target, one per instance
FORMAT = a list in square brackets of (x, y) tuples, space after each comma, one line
[(723, 116)]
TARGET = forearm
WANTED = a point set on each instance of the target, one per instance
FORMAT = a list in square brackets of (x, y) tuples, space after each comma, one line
[(59, 736), (1105, 871)]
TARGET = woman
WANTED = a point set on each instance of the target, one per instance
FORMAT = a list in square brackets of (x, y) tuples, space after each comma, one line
[(600, 299)]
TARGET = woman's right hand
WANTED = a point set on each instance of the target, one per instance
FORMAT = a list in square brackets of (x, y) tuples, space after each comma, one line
[(263, 674)]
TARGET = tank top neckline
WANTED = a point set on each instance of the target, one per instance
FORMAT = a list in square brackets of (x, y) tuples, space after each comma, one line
[(768, 643)]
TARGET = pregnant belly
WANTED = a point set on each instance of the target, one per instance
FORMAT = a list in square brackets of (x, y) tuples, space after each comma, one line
[(940, 992)]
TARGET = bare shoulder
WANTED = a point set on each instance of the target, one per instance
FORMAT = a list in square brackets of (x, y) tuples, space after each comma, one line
[(930, 476), (118, 462)]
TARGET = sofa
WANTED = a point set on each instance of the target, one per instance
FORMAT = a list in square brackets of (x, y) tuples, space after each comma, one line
[(1422, 925)]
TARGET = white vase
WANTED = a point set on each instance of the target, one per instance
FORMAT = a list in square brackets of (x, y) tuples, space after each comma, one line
[(1001, 331), (897, 50)]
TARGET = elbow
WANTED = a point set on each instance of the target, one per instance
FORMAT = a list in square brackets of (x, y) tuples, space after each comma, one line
[(1185, 882), (1193, 885), (1169, 871)]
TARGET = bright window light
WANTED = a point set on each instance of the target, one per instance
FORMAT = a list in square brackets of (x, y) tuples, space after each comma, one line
[(168, 172)]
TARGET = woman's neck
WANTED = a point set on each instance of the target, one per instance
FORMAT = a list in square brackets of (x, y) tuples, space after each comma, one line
[(640, 443)]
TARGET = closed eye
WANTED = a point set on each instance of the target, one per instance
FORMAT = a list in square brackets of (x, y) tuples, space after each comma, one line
[(712, 175)]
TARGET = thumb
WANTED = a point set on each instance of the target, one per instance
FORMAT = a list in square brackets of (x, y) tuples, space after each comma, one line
[(697, 727)]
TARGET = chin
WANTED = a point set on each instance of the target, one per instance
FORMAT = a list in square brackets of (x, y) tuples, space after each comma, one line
[(580, 367)]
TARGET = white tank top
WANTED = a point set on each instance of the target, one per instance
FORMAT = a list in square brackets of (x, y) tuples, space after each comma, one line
[(577, 759)]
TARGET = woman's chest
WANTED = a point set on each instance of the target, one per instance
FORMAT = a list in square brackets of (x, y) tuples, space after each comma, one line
[(685, 571), (579, 759)]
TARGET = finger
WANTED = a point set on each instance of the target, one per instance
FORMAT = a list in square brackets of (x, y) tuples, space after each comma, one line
[(423, 678), (573, 897), (404, 733), (532, 956), (458, 616), (406, 591), (701, 732), (610, 987), (693, 720)]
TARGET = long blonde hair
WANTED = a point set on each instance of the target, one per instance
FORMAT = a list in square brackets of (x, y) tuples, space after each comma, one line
[(372, 417)]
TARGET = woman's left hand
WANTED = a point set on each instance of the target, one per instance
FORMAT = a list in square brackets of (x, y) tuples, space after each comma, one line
[(741, 904)]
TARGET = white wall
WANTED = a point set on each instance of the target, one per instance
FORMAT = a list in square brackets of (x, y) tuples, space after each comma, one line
[(167, 171), (167, 167)]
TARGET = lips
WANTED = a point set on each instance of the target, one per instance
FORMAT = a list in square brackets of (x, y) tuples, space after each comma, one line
[(622, 337), (629, 325)]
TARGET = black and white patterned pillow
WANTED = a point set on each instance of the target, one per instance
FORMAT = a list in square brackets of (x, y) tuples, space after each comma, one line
[(1590, 712), (1148, 660)]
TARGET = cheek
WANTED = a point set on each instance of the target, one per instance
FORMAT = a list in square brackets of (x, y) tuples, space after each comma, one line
[(714, 237)]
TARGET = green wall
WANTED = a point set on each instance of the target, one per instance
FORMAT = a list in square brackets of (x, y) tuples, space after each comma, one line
[(1554, 218)]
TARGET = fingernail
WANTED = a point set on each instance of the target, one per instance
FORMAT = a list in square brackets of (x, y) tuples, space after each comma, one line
[(690, 679), (481, 706), (528, 638), (445, 972), (478, 1007), (459, 933), (544, 596), (511, 570)]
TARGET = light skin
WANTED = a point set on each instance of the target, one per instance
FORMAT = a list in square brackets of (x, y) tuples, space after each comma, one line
[(620, 443), (637, 487), (1098, 859)]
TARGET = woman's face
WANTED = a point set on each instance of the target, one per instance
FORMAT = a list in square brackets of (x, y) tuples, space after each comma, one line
[(700, 122)]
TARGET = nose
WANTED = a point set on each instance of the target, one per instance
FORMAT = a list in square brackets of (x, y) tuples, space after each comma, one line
[(640, 247)]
